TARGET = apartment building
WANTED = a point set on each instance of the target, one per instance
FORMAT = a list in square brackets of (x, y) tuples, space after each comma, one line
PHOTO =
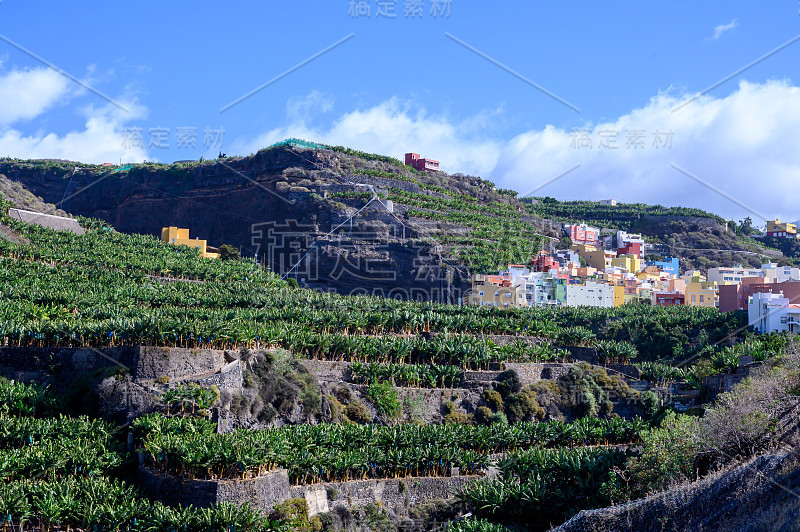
[(779, 229), (771, 312), (732, 274), (590, 295), (496, 291), (582, 234)]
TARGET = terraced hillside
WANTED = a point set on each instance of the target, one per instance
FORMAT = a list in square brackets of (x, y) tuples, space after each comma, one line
[(283, 201), (87, 295), (700, 239)]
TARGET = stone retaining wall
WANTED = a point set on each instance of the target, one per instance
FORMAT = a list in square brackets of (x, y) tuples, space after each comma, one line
[(141, 362), (396, 495), (261, 493)]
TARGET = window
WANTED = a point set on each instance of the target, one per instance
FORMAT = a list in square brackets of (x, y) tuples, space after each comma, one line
[(496, 293), (692, 298), (505, 304), (508, 294), (784, 319), (701, 298), (483, 303), (480, 293)]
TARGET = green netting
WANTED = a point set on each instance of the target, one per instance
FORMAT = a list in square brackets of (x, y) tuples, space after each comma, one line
[(298, 143)]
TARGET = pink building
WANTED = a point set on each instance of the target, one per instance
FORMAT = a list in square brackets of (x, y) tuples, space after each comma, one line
[(544, 262), (583, 234), (423, 165), (631, 248)]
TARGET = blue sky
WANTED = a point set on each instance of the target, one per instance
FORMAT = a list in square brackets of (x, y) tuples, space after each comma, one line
[(402, 84)]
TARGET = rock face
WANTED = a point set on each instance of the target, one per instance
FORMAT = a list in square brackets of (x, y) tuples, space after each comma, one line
[(272, 206)]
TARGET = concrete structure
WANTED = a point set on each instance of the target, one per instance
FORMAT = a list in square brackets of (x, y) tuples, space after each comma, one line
[(582, 234), (732, 275), (423, 165), (735, 297), (611, 202), (596, 258), (769, 312), (628, 262), (566, 256), (779, 229), (631, 248), (59, 223), (180, 237), (590, 295)]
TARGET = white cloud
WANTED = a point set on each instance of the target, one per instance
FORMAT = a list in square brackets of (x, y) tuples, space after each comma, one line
[(393, 127), (722, 28), (28, 93), (101, 139), (744, 144)]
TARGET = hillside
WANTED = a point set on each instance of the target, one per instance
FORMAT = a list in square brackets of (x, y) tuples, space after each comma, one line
[(279, 202), (328, 206), (700, 239), (319, 395)]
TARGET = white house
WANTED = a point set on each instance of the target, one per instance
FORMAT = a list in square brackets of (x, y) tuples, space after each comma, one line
[(590, 295), (770, 312), (780, 274), (732, 275)]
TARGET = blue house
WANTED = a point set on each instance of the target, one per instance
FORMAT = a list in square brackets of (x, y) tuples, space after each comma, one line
[(669, 265)]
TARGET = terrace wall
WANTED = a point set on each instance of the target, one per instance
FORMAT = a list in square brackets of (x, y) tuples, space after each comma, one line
[(141, 362), (396, 495), (261, 493)]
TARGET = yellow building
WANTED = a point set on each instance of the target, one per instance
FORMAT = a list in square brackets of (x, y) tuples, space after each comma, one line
[(619, 295), (496, 291), (630, 263), (599, 259), (781, 229), (180, 237), (702, 294)]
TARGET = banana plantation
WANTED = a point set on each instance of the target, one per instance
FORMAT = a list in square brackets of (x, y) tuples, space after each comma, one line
[(339, 453), (106, 289), (57, 473)]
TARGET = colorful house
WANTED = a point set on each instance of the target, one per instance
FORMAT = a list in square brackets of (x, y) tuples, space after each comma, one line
[(180, 237), (701, 294), (423, 165), (670, 265), (667, 299), (780, 229)]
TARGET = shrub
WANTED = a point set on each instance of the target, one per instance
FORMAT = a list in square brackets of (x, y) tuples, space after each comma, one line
[(493, 399), (384, 396), (499, 417), (357, 412), (453, 417), (667, 456), (483, 415), (523, 406), (228, 252), (508, 383)]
